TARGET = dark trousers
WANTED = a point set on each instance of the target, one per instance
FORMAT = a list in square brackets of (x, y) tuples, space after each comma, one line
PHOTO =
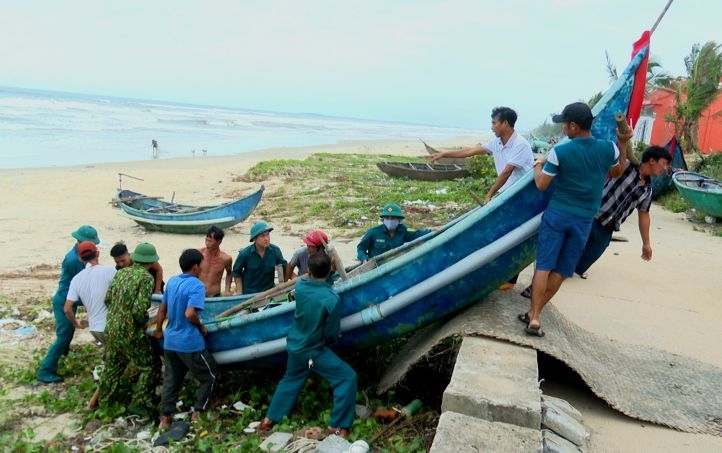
[(327, 364), (599, 238), (177, 364)]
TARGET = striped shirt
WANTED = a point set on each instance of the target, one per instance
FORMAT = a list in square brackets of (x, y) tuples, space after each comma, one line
[(622, 195)]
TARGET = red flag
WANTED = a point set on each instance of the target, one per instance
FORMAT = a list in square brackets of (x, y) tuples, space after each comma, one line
[(640, 80)]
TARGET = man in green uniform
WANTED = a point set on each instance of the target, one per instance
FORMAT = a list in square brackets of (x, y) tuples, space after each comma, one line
[(132, 370), (389, 235), (316, 324), (64, 330), (255, 267)]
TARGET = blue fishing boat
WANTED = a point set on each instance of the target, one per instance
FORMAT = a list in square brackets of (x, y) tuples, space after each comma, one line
[(421, 282), (157, 215)]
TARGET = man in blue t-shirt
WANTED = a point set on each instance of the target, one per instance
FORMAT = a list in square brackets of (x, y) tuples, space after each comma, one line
[(183, 338), (580, 167)]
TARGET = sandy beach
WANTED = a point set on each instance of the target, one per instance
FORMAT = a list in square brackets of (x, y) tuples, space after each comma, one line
[(671, 303)]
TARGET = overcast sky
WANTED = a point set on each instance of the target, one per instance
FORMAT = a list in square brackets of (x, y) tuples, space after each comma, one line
[(432, 62)]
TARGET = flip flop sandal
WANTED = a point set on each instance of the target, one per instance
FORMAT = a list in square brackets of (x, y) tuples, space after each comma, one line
[(523, 317), (527, 292), (534, 331), (176, 432)]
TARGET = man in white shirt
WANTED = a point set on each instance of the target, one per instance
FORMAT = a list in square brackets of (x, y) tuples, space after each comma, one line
[(89, 288), (512, 153)]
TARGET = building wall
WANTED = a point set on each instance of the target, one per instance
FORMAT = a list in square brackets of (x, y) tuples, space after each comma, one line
[(709, 135)]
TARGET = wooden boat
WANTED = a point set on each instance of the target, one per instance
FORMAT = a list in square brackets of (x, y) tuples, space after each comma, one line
[(444, 160), (423, 171), (663, 183), (156, 215), (702, 192), (420, 282)]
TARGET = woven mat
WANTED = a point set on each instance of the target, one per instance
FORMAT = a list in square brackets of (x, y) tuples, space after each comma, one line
[(639, 381)]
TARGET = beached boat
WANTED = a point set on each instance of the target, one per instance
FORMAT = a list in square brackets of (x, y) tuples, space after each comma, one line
[(157, 215), (444, 160), (423, 171), (702, 192), (420, 282)]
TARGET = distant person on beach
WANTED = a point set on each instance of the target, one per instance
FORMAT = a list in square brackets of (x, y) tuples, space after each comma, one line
[(580, 167), (511, 152), (183, 340), (390, 234), (89, 287), (120, 254), (254, 270), (154, 145), (632, 190), (64, 329), (215, 262), (316, 325), (512, 156), (132, 369), (315, 242)]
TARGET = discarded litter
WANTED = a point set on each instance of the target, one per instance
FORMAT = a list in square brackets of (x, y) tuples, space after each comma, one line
[(26, 331), (240, 406)]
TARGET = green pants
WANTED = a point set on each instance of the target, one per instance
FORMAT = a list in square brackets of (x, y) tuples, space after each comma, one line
[(64, 332), (326, 364)]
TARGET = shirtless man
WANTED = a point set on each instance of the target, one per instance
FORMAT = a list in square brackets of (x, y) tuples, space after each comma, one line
[(214, 263)]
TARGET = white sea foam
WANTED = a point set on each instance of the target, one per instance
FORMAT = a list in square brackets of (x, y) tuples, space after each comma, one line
[(42, 128)]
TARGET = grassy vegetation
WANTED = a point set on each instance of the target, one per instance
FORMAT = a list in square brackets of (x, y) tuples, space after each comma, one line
[(347, 191)]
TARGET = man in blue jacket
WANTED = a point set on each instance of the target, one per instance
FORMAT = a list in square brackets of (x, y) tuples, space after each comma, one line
[(316, 324), (389, 235), (64, 330)]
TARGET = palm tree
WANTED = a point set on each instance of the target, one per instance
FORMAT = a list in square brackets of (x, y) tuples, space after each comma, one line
[(697, 92)]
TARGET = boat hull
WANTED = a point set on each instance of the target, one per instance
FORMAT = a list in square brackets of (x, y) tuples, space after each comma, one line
[(423, 172), (702, 192), (156, 215)]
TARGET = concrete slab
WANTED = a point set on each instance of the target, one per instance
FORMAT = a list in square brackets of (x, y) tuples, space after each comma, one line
[(459, 433), (496, 381)]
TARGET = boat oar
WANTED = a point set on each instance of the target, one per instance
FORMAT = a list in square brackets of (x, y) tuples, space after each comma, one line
[(476, 198), (257, 297)]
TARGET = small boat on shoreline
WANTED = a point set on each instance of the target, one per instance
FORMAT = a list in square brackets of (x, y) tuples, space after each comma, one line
[(156, 215), (423, 171), (702, 192), (444, 160)]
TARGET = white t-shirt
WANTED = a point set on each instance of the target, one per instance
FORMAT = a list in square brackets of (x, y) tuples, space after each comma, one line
[(516, 152), (89, 287)]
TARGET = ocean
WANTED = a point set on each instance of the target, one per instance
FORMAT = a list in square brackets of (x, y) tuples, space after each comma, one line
[(46, 128)]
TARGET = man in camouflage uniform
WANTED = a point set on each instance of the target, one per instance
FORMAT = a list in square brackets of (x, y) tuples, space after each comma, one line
[(132, 370)]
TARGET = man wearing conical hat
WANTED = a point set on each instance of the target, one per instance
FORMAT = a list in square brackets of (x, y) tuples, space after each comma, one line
[(389, 235), (132, 370)]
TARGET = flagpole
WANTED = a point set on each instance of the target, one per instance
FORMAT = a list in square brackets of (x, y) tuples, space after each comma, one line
[(659, 19)]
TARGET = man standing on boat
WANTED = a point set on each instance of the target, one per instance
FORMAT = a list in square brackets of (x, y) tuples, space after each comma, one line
[(633, 189), (512, 157), (580, 167), (215, 262), (64, 330), (255, 267), (389, 235), (511, 152)]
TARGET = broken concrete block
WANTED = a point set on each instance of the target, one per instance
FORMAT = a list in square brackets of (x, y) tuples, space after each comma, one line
[(333, 444), (565, 426), (459, 433), (496, 381), (276, 442)]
